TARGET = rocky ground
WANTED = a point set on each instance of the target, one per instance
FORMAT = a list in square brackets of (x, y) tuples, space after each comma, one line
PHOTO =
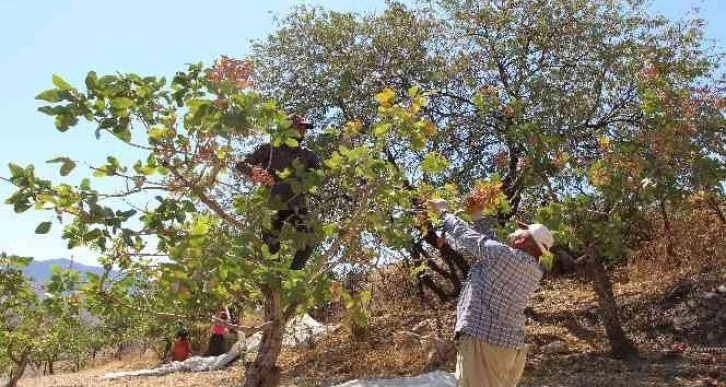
[(677, 320)]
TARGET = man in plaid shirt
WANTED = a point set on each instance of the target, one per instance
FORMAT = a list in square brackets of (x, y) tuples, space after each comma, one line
[(490, 313)]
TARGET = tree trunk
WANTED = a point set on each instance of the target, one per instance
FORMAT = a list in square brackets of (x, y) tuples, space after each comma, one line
[(36, 366), (50, 368), (621, 346), (419, 255), (669, 233), (264, 372), (717, 209), (17, 371)]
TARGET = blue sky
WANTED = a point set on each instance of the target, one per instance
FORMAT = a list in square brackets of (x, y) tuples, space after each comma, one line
[(154, 37)]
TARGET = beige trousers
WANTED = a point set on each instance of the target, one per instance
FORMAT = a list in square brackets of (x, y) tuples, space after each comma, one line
[(480, 364)]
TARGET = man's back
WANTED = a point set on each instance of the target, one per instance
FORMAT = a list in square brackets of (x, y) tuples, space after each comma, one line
[(491, 305), (276, 160), (500, 283)]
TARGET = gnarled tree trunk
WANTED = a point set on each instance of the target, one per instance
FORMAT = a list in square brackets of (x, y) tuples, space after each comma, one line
[(18, 369), (621, 346), (264, 372)]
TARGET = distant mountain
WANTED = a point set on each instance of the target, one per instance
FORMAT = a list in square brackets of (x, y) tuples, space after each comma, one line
[(39, 271)]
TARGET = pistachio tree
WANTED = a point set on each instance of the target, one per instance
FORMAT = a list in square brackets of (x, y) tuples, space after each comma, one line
[(184, 228), (599, 107), (519, 89)]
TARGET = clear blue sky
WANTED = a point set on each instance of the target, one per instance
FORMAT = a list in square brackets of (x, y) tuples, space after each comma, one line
[(155, 37)]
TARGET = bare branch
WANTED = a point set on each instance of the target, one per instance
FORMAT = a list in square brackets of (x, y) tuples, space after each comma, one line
[(248, 330), (211, 203)]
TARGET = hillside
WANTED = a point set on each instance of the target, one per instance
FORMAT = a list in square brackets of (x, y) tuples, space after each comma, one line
[(40, 271), (674, 310), (676, 319)]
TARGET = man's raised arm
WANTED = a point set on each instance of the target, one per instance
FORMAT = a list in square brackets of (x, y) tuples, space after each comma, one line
[(479, 243)]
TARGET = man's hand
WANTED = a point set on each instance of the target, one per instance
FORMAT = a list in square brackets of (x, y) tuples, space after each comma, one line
[(422, 219), (440, 242), (256, 174), (437, 205), (474, 207), (260, 176)]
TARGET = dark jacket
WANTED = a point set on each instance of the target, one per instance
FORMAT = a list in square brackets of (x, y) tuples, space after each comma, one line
[(275, 160)]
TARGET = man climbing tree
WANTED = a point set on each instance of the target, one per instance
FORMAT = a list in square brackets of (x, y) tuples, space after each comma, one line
[(282, 168)]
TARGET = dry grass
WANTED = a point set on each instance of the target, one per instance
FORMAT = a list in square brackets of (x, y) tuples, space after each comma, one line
[(229, 377), (698, 241), (134, 363)]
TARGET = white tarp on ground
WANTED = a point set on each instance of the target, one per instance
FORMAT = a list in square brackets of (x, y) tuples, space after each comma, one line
[(432, 379), (300, 332), (193, 364)]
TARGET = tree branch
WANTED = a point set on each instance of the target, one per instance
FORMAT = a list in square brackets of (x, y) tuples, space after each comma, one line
[(248, 330), (211, 203)]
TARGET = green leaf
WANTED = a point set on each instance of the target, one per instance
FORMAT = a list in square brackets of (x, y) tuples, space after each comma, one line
[(51, 95), (100, 172), (65, 120), (16, 170), (91, 80), (385, 96), (43, 228), (356, 153), (86, 184), (335, 161), (414, 90), (126, 214), (330, 229), (67, 165), (286, 173), (433, 163), (157, 133), (60, 83), (381, 129), (291, 142), (200, 227), (123, 134), (547, 260), (479, 101), (121, 103)]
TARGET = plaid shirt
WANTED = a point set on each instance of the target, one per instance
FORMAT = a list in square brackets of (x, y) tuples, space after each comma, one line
[(500, 283)]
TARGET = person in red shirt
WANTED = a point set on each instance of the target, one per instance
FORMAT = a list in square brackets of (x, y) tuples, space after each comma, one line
[(217, 345), (181, 350)]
